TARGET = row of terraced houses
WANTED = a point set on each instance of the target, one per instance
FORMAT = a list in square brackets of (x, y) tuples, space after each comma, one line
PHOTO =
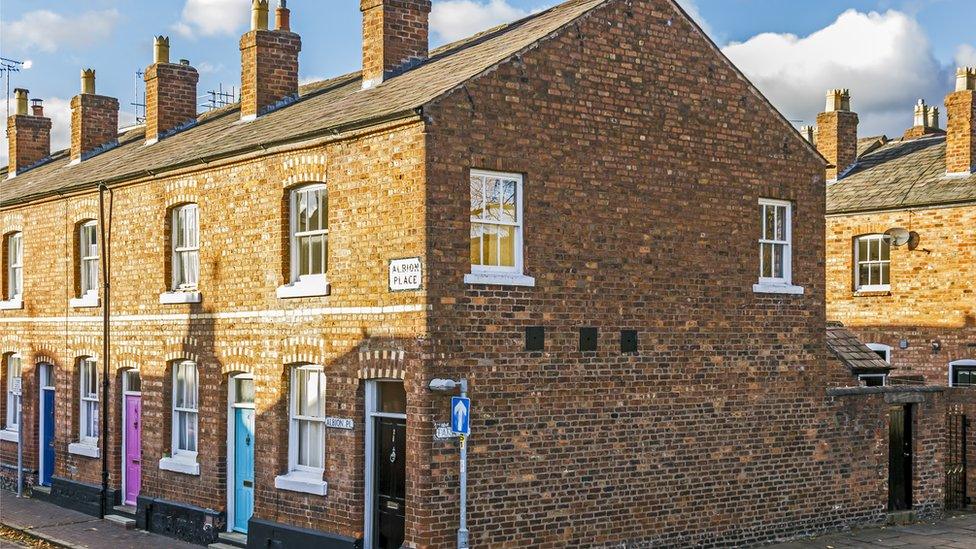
[(680, 322)]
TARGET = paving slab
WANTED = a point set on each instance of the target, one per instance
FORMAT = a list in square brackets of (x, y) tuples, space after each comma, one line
[(954, 532)]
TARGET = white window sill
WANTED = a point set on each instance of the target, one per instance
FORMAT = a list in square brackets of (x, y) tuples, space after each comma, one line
[(84, 449), (9, 435), (174, 298), (301, 481), (86, 301), (499, 279), (767, 288), (180, 465), (12, 304), (316, 286)]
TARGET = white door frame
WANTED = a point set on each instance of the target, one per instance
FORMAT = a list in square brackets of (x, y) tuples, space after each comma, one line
[(232, 406), (372, 402), (126, 392), (44, 368)]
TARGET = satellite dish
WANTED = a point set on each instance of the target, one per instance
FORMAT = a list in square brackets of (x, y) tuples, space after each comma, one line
[(898, 236), (913, 240)]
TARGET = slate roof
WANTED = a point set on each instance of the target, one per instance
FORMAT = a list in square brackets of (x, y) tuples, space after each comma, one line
[(323, 108), (869, 144), (852, 353), (900, 174)]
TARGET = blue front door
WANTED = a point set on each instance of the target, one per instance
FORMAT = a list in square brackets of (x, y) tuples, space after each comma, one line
[(47, 437), (243, 467)]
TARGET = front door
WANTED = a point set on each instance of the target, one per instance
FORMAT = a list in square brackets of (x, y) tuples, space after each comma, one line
[(133, 448), (243, 467), (391, 470), (900, 458), (47, 436)]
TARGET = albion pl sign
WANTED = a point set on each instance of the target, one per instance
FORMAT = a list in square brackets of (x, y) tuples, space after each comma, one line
[(405, 274)]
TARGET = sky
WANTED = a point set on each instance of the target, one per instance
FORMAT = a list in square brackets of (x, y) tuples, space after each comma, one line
[(889, 53)]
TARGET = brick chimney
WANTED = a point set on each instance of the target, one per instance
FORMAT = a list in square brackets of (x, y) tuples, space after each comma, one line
[(961, 126), (94, 120), (28, 136), (269, 61), (837, 133), (395, 37), (926, 121), (171, 94)]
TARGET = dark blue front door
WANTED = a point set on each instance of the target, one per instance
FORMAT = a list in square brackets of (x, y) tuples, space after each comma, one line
[(47, 437)]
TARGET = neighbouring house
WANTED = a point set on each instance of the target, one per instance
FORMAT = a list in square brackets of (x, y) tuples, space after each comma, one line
[(901, 236), (589, 214)]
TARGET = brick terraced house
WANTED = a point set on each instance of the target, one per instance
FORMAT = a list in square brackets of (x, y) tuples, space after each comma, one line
[(590, 214), (901, 236)]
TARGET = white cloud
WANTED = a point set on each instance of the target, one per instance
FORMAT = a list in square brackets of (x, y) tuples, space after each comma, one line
[(48, 31), (691, 7), (885, 60), (966, 56), (455, 19), (212, 17)]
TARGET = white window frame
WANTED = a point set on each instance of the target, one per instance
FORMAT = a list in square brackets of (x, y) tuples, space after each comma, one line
[(15, 266), (308, 285), (189, 251), (858, 261), (952, 369), (884, 378), (783, 284), (89, 405), (881, 347), (496, 274), (183, 460), (88, 286), (303, 478), (13, 401)]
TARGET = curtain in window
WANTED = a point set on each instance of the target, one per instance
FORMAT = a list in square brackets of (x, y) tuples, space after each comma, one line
[(186, 247), (308, 417), (185, 413), (89, 258), (89, 400), (15, 274), (310, 236), (13, 401)]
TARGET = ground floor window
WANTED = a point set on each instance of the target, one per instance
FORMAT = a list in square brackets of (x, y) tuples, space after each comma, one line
[(306, 431), (873, 380), (962, 373)]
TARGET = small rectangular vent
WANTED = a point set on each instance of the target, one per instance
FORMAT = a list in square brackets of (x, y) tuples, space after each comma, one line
[(628, 341), (588, 339), (535, 338)]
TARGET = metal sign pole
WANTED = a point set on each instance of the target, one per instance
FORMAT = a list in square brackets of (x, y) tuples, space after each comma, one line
[(20, 445), (463, 534)]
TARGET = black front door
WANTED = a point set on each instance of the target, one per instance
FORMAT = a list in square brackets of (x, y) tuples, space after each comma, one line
[(900, 458), (391, 489)]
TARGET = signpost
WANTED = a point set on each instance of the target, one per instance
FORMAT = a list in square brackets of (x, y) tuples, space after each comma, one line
[(461, 424), (16, 387)]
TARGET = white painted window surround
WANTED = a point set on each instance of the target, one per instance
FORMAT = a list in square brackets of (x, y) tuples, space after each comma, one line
[(84, 449), (884, 351), (89, 418), (308, 243), (12, 369), (15, 266), (185, 260), (175, 298), (306, 433), (185, 420), (497, 230), (776, 248), (872, 263)]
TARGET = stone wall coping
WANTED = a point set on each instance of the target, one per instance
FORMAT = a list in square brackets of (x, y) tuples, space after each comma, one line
[(856, 391)]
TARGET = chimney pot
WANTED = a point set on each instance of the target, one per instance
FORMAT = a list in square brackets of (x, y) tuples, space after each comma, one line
[(161, 49), (921, 114), (37, 107), (259, 14), (20, 96), (966, 79), (282, 16), (88, 81), (838, 100)]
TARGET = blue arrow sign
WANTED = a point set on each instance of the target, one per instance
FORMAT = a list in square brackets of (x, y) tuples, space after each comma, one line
[(461, 415)]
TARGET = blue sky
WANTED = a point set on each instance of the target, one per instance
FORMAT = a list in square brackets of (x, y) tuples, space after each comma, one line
[(889, 52)]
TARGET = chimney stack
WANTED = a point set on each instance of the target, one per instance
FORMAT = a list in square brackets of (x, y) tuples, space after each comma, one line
[(926, 121), (269, 61), (961, 124), (171, 94), (28, 136), (837, 133), (94, 120), (395, 37)]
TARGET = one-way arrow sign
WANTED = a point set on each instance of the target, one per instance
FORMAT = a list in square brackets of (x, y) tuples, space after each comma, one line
[(461, 415)]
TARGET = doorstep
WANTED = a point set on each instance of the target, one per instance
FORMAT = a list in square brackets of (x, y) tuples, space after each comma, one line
[(232, 539)]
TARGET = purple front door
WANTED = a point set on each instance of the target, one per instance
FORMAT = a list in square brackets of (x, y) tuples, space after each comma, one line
[(133, 447)]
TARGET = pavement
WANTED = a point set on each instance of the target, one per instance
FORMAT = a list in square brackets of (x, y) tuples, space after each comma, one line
[(956, 531), (67, 528)]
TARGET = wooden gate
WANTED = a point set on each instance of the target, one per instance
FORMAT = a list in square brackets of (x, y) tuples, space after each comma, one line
[(957, 424)]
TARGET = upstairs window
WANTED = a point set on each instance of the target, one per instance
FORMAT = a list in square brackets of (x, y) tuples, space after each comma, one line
[(88, 254), (309, 232), (872, 263), (962, 373), (186, 247), (88, 391), (496, 222), (775, 253), (884, 351), (15, 266), (13, 367)]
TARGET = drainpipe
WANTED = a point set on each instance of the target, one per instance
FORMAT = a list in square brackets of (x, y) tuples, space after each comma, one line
[(106, 308)]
